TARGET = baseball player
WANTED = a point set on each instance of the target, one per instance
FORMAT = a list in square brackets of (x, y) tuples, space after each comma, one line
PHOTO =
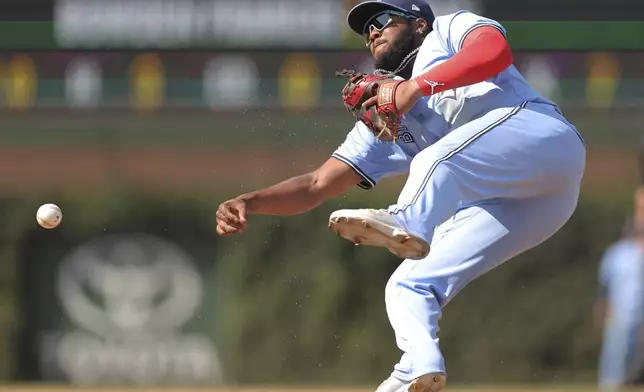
[(620, 306), (494, 168)]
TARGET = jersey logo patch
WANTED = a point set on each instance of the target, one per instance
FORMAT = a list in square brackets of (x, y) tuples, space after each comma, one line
[(405, 137)]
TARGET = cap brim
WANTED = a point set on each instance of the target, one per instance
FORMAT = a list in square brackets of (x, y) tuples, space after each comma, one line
[(361, 13)]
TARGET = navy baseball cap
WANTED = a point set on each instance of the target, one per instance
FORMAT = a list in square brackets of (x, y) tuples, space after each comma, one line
[(361, 13)]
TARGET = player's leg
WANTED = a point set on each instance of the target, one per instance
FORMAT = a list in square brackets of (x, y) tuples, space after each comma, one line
[(619, 361), (508, 153), (476, 240)]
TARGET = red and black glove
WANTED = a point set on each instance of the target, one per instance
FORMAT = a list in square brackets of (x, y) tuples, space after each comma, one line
[(383, 119)]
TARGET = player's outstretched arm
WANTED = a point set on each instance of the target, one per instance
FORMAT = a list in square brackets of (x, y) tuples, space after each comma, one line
[(290, 197)]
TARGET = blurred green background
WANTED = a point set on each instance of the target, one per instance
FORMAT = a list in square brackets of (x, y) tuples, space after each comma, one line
[(138, 118)]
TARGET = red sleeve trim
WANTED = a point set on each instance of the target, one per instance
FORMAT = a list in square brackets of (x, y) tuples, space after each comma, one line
[(485, 53)]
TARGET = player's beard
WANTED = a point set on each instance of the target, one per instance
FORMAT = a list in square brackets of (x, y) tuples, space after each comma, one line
[(391, 59)]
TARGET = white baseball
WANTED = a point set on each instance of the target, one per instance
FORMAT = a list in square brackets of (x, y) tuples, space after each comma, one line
[(49, 215)]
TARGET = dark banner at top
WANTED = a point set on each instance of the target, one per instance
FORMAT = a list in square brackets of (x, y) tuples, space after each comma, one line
[(563, 10), (508, 10), (26, 10), (295, 24)]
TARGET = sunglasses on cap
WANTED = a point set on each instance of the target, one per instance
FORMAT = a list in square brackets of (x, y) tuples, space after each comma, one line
[(380, 21)]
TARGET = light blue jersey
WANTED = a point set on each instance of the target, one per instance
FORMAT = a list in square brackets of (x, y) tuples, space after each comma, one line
[(435, 116), (494, 169), (621, 280), (374, 159), (462, 105)]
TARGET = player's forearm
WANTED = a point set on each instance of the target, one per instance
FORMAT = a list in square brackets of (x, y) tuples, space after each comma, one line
[(293, 196), (485, 53)]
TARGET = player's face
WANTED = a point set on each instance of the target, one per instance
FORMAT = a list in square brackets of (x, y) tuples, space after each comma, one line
[(391, 44), (382, 30)]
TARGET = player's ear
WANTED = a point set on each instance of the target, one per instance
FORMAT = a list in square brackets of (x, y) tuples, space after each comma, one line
[(421, 26)]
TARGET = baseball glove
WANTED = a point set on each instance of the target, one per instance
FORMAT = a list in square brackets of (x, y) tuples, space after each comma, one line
[(383, 119)]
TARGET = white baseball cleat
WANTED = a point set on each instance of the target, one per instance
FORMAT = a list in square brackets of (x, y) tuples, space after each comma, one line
[(377, 228), (427, 383)]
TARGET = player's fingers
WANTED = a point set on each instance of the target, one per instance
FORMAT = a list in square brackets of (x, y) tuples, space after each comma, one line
[(370, 102), (226, 232), (241, 212), (221, 231), (220, 217), (225, 213), (224, 221), (226, 229)]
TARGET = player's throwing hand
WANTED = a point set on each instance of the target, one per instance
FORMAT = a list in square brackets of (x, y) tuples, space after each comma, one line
[(231, 217)]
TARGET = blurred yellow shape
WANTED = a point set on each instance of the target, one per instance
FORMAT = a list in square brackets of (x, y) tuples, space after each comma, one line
[(148, 82), (299, 82), (21, 82), (603, 79), (4, 82)]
